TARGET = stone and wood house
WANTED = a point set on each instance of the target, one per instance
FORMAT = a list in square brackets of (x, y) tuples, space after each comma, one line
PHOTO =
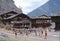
[(14, 20), (41, 21)]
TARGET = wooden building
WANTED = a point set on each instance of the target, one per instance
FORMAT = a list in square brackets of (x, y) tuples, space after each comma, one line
[(15, 20), (6, 23), (19, 21), (56, 19), (41, 21), (6, 15)]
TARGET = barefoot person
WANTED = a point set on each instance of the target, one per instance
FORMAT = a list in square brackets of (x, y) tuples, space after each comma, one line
[(45, 34), (15, 32), (41, 32)]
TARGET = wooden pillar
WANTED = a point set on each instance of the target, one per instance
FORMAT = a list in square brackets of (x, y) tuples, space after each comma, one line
[(30, 25)]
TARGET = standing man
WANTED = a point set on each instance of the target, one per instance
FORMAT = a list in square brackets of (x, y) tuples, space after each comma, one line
[(45, 33), (15, 32)]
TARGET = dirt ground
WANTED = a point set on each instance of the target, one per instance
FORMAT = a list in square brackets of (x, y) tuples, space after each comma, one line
[(7, 35)]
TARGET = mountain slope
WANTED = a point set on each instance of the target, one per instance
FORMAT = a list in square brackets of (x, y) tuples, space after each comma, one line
[(7, 6), (51, 7)]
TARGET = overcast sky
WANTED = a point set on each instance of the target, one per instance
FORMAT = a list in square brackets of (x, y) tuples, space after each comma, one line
[(29, 5)]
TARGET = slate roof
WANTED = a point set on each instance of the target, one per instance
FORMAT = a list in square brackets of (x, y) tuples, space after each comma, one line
[(23, 15)]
